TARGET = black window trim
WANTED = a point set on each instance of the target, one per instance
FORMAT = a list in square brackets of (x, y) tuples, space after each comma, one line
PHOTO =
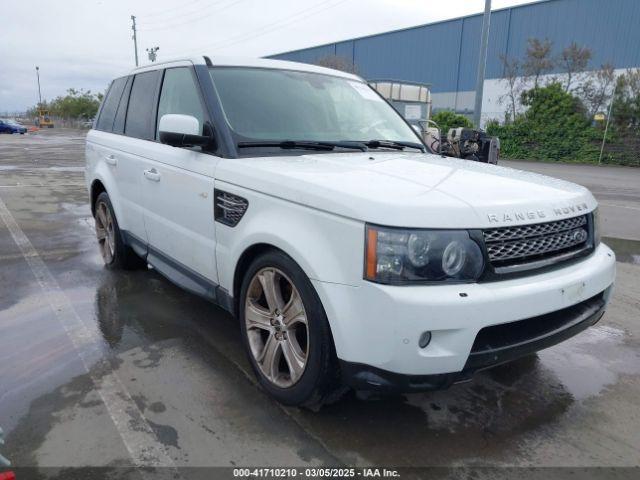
[(209, 98)]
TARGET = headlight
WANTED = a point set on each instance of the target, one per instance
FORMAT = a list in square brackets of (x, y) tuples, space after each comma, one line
[(596, 228), (401, 256)]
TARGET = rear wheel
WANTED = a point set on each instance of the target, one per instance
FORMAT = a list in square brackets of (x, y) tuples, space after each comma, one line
[(115, 253), (286, 332)]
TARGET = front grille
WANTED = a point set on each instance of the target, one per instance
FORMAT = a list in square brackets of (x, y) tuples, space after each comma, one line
[(526, 231), (509, 246)]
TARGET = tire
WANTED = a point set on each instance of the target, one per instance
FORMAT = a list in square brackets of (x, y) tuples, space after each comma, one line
[(115, 253), (293, 341)]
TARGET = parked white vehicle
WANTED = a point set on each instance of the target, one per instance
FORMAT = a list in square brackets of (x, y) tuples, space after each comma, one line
[(298, 199)]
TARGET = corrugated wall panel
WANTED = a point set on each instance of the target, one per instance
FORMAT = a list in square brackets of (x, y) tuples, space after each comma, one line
[(308, 55), (498, 43), (445, 53), (609, 28), (401, 55), (345, 49)]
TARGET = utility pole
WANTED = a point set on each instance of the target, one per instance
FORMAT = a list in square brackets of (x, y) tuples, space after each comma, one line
[(152, 53), (606, 127), (482, 62), (39, 92), (135, 38)]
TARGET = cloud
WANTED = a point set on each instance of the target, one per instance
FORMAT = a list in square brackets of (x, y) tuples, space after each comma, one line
[(86, 43)]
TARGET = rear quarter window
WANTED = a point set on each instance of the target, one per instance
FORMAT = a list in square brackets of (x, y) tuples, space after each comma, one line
[(118, 123), (110, 105)]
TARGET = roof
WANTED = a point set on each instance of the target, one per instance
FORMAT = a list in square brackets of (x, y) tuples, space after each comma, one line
[(218, 61)]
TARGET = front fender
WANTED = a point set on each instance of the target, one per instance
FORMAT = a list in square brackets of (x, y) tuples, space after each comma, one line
[(327, 247)]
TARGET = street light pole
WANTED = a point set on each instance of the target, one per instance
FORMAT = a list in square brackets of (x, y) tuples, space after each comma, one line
[(482, 62), (39, 92)]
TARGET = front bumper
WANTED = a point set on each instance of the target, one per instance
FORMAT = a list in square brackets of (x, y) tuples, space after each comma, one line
[(376, 327)]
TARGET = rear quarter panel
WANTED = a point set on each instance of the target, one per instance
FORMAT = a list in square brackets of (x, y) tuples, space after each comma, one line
[(96, 169)]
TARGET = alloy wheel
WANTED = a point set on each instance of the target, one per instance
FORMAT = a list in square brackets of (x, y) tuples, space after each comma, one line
[(277, 327), (105, 232)]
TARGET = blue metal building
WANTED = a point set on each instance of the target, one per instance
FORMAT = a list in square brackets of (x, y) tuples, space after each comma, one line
[(445, 54)]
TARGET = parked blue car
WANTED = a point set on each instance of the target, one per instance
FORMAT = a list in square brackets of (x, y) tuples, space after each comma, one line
[(11, 126)]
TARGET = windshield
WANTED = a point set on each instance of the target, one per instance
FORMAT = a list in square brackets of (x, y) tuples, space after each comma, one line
[(270, 104)]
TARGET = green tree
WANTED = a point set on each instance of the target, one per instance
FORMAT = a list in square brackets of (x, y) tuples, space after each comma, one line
[(538, 59), (555, 126), (626, 103), (76, 105), (574, 59), (337, 63), (595, 92), (446, 119)]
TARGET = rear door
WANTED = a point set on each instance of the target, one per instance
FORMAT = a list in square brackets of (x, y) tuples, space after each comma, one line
[(178, 193), (113, 150)]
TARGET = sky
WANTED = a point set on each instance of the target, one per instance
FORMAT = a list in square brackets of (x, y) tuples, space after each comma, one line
[(86, 43)]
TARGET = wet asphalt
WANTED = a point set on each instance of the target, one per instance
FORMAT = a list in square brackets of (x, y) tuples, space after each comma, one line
[(179, 384)]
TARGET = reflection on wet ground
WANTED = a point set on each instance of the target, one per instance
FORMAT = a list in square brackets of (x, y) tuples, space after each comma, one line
[(627, 251), (181, 360)]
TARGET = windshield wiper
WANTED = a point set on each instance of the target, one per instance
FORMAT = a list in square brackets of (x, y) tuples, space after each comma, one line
[(304, 145), (395, 144)]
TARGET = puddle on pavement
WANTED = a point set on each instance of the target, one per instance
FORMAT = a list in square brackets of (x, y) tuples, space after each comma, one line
[(487, 417), (627, 251), (593, 360)]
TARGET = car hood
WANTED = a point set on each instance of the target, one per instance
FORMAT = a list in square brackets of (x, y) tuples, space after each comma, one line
[(410, 189)]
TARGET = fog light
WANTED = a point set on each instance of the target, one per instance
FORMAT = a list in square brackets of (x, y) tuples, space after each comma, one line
[(425, 338)]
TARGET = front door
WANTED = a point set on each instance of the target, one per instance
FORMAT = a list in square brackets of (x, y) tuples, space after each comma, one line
[(178, 194)]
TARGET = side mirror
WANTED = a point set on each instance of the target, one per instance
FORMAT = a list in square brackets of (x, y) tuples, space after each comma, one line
[(183, 131)]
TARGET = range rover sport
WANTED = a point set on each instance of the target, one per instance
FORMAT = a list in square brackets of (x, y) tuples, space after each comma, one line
[(299, 200)]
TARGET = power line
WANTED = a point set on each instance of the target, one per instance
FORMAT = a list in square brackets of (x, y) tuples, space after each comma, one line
[(183, 14), (268, 28), (172, 9), (195, 19), (252, 35)]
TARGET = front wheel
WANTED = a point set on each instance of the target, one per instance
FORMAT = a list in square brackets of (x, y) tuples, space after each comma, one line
[(286, 332)]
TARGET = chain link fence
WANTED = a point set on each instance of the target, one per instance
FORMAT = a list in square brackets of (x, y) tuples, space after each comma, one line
[(58, 122)]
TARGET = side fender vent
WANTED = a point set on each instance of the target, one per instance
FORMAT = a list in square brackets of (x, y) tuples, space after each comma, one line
[(228, 208)]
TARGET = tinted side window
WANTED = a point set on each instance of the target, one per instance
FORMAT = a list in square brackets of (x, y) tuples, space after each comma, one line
[(140, 121), (108, 112), (118, 124), (180, 95)]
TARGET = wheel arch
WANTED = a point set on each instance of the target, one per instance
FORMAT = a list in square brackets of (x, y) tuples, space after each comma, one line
[(252, 252), (101, 183), (97, 187), (249, 254)]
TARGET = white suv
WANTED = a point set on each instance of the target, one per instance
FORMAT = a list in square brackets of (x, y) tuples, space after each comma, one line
[(299, 200)]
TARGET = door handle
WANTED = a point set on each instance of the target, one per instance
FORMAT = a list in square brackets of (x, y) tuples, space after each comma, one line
[(111, 160), (152, 175)]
